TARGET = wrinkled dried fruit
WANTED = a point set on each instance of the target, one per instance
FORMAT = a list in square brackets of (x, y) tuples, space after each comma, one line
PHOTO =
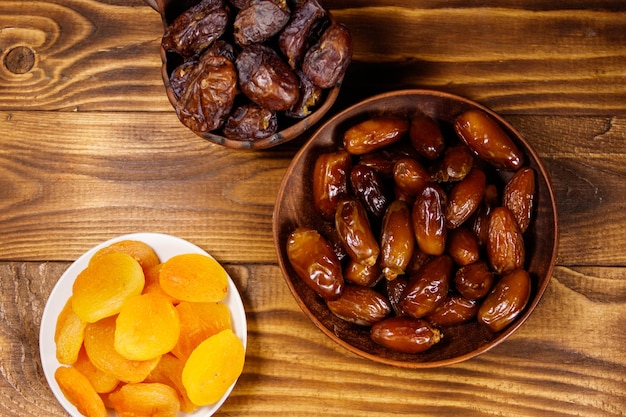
[(474, 281), (426, 289), (429, 220), (506, 301), (505, 242), (209, 94), (426, 136), (360, 305), (259, 21), (310, 97), (302, 31), (145, 399), (397, 240), (266, 79), (364, 275), (196, 28), (405, 334), (146, 327), (99, 340), (68, 335), (519, 195), (194, 277), (394, 289), (480, 219), (78, 391), (452, 311), (465, 197), (250, 122), (213, 367), (487, 140), (315, 262), (462, 246), (369, 188), (456, 163), (326, 62), (330, 181), (105, 284), (354, 229), (373, 134)]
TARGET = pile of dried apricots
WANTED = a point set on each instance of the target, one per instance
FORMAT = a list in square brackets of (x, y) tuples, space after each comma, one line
[(145, 337)]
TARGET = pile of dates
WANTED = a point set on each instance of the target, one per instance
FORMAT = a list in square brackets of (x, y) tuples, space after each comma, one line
[(242, 66), (422, 230)]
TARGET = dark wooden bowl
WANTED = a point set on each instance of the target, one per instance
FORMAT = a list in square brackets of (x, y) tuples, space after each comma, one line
[(294, 208), (289, 128)]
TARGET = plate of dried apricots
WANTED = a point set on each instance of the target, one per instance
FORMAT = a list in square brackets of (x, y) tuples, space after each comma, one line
[(143, 322)]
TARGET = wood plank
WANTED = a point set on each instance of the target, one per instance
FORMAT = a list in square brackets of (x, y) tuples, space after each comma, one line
[(93, 176), (522, 58), (565, 361)]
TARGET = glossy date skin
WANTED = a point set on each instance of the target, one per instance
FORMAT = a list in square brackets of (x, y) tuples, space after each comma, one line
[(429, 220), (474, 281), (397, 240), (405, 334), (360, 305), (505, 242), (354, 229), (373, 134), (426, 136), (519, 196), (330, 181), (368, 186), (307, 22), (315, 262), (452, 311), (506, 301), (266, 79), (465, 197), (426, 289)]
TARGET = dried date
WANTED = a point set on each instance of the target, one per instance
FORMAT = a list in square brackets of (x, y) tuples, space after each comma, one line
[(250, 122), (426, 136), (360, 305), (310, 97), (368, 186), (465, 197), (426, 289), (353, 226), (429, 220), (330, 181), (519, 195), (405, 334), (304, 28), (375, 133), (506, 301), (505, 243), (397, 240), (259, 21), (326, 62), (266, 79)]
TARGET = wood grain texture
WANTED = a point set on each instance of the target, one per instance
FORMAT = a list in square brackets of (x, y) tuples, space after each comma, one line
[(541, 370)]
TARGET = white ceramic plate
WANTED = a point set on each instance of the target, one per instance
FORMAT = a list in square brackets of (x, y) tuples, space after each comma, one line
[(165, 247)]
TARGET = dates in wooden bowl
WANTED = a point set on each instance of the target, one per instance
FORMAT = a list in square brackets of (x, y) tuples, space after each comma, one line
[(251, 74), (454, 237)]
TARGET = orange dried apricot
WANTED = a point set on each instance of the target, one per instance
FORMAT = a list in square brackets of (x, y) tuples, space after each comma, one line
[(198, 321), (68, 334), (213, 367), (145, 399), (194, 277), (99, 337), (146, 327), (102, 287), (140, 251), (79, 391), (101, 381), (153, 285), (169, 371)]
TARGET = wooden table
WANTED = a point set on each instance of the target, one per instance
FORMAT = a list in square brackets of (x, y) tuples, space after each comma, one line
[(90, 148)]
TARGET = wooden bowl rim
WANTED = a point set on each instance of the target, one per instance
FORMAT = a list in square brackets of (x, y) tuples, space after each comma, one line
[(353, 111)]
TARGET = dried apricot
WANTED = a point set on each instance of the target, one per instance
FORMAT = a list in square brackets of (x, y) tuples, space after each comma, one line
[(145, 399), (101, 381), (198, 321), (140, 251), (99, 337), (146, 327), (102, 287), (153, 285), (169, 371), (68, 335), (194, 277), (78, 391), (213, 367)]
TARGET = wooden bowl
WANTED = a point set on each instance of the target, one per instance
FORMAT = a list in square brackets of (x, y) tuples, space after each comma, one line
[(289, 128), (294, 208)]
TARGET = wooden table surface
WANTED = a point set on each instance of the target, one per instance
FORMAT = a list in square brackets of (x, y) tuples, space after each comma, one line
[(90, 148)]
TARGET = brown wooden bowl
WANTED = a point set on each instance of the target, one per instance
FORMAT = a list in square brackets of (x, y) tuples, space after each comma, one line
[(294, 207), (289, 128)]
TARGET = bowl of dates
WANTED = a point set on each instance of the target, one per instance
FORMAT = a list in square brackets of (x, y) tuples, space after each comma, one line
[(416, 228), (251, 74)]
